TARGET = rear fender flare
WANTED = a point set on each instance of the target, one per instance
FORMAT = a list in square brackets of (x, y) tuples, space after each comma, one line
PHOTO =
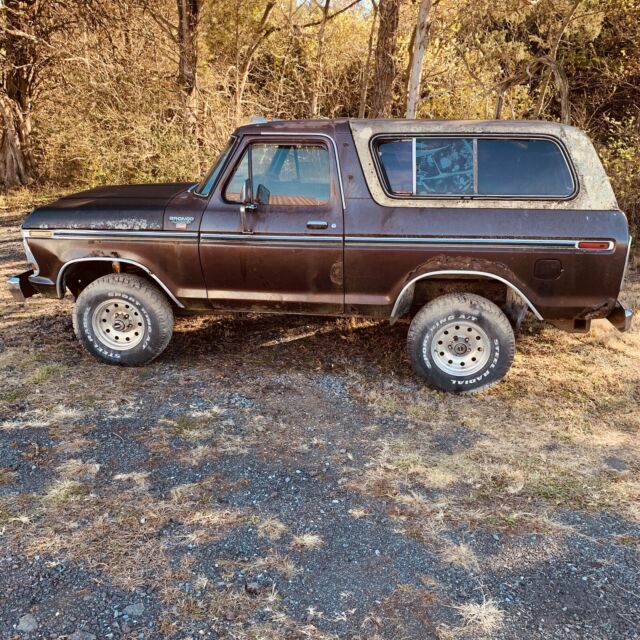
[(405, 297)]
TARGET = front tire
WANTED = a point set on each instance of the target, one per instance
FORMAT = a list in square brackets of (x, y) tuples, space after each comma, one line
[(461, 342), (123, 319)]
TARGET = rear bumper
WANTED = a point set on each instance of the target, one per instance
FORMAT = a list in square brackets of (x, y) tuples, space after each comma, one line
[(621, 316), (20, 287)]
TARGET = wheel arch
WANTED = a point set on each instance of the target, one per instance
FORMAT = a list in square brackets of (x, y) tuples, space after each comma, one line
[(405, 297), (103, 260)]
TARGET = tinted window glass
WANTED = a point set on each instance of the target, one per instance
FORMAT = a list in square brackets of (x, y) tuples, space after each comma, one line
[(444, 166), (205, 186), (522, 168), (240, 176), (284, 175), (397, 164)]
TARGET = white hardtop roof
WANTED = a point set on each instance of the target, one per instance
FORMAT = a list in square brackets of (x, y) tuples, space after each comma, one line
[(594, 189)]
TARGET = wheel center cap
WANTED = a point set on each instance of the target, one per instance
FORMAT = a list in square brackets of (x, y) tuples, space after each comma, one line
[(460, 348)]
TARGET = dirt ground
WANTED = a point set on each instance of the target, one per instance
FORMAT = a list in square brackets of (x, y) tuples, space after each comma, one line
[(289, 477)]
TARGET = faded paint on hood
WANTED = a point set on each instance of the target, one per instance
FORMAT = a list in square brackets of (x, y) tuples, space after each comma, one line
[(126, 207)]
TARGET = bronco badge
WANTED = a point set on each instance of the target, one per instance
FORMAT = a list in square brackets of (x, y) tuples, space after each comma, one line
[(181, 222)]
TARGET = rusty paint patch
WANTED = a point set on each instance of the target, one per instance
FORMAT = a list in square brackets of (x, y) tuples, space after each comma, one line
[(337, 273)]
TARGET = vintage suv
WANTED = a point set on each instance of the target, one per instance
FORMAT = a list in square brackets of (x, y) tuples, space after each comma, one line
[(462, 225)]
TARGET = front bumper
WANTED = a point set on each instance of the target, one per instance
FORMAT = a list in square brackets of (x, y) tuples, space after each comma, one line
[(621, 316), (20, 287)]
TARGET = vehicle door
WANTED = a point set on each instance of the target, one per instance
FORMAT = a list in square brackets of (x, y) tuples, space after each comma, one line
[(271, 238)]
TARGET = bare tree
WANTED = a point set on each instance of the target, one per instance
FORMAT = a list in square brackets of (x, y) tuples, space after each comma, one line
[(364, 78), (21, 58), (245, 54), (188, 11), (417, 57), (385, 73), (318, 69), (552, 66)]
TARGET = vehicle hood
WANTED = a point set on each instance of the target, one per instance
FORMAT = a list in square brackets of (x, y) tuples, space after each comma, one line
[(127, 207)]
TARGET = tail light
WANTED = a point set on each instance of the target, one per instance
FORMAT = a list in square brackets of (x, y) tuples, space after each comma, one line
[(595, 245)]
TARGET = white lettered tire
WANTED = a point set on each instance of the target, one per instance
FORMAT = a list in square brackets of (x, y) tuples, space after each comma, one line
[(461, 342), (123, 319)]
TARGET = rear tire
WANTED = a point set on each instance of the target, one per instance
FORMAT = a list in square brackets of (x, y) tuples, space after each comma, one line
[(123, 319), (461, 342)]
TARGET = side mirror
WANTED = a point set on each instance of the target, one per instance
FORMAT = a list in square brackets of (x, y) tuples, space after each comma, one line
[(263, 195)]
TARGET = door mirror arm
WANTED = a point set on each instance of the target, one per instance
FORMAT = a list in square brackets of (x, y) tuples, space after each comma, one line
[(244, 207), (247, 205)]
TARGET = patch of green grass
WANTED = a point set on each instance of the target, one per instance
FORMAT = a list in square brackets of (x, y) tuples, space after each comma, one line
[(13, 395), (46, 372), (565, 489), (194, 427)]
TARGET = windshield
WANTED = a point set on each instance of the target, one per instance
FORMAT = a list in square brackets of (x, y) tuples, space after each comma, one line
[(207, 183)]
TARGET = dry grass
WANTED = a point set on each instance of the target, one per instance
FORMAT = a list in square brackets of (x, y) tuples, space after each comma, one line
[(64, 491), (307, 541), (484, 616), (75, 469), (461, 555), (277, 562), (271, 528), (358, 512), (540, 439), (6, 476)]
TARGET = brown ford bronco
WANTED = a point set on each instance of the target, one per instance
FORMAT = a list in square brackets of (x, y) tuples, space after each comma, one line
[(463, 226)]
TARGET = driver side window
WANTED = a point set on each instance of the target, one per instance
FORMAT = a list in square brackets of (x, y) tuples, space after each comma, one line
[(282, 174)]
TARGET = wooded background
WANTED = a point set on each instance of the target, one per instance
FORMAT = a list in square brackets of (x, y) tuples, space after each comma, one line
[(98, 91)]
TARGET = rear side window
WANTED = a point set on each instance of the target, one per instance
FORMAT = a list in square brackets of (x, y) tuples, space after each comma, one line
[(522, 168), (474, 167), (444, 166), (283, 174)]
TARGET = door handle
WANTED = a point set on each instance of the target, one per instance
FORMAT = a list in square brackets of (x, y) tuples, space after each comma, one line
[(317, 224)]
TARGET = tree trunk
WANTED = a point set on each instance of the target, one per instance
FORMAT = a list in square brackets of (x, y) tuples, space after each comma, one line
[(317, 72), (188, 11), (16, 168), (17, 164), (388, 12), (553, 55), (417, 57), (364, 81)]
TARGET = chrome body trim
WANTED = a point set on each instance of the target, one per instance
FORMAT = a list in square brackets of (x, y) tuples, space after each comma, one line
[(29, 254), (460, 272), (13, 284), (193, 192), (355, 240), (621, 316), (301, 134), (103, 233), (60, 288), (626, 262), (257, 237), (546, 242), (465, 241)]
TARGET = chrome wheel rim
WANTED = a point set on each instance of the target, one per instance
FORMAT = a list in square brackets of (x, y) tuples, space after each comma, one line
[(460, 348), (118, 324)]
